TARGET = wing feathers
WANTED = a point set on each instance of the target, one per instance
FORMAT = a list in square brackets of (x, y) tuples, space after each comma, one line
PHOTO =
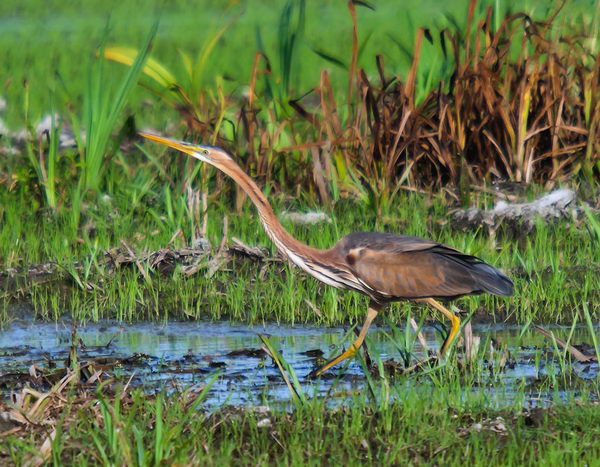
[(492, 280), (396, 266)]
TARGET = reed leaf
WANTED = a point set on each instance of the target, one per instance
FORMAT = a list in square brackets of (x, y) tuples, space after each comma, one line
[(103, 109)]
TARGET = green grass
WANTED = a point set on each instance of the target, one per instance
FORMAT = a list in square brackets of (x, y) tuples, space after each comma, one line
[(438, 424), (445, 415), (51, 44), (554, 267)]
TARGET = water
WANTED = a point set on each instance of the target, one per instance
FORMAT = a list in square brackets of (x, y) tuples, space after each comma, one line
[(178, 355)]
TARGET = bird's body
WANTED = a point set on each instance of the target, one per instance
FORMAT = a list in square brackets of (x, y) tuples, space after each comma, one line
[(385, 267), (388, 267)]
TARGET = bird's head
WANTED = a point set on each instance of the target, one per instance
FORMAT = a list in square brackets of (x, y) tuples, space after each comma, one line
[(210, 154)]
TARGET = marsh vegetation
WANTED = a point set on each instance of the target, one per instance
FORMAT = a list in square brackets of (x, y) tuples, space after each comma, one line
[(380, 118)]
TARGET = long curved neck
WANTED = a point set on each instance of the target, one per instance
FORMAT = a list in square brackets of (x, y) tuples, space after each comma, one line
[(288, 245)]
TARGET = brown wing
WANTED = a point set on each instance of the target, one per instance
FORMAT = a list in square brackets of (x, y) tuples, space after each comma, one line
[(396, 266)]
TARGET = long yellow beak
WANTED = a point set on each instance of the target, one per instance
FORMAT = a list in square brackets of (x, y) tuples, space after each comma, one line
[(172, 143)]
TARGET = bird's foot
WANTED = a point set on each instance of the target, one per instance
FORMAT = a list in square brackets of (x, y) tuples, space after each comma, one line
[(313, 374), (350, 352)]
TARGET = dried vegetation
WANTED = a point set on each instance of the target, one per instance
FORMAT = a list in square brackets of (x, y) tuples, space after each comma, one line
[(522, 104)]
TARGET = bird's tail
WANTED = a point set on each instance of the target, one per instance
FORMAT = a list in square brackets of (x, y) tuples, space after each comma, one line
[(492, 280)]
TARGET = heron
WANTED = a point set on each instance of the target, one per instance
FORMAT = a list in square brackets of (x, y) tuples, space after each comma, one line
[(385, 267)]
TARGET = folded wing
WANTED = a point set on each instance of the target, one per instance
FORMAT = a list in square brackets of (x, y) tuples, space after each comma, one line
[(397, 266)]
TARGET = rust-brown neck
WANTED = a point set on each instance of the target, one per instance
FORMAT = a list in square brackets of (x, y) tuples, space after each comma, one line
[(281, 237)]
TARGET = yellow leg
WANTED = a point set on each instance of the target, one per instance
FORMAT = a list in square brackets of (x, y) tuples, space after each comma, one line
[(452, 317), (351, 351)]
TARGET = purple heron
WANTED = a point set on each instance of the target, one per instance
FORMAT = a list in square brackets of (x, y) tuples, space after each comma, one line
[(383, 266)]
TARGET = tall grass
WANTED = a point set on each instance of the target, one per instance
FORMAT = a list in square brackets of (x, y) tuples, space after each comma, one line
[(488, 115), (438, 423), (497, 112), (102, 109), (553, 266), (289, 33), (377, 144), (43, 155)]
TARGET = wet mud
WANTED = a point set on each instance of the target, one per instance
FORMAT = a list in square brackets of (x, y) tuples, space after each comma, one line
[(179, 355)]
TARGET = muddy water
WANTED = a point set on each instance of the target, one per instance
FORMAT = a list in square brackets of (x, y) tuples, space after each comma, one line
[(177, 355)]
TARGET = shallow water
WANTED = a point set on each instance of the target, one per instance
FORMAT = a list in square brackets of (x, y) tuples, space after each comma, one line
[(180, 354)]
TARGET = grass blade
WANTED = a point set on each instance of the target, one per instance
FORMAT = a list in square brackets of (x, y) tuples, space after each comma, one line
[(285, 368)]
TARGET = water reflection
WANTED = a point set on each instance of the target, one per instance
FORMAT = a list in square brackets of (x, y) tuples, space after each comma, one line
[(179, 354)]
